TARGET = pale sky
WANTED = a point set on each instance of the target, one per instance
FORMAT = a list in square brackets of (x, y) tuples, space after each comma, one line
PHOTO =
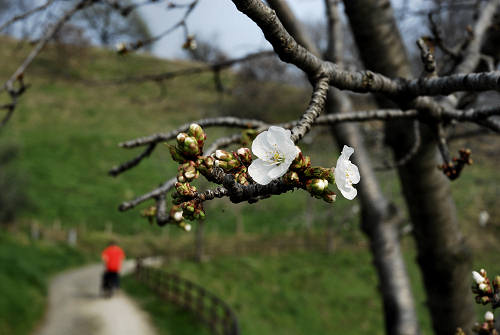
[(219, 20)]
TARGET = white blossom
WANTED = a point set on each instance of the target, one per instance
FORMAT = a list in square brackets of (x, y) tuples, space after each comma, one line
[(488, 316), (477, 277), (275, 151), (346, 174), (483, 287)]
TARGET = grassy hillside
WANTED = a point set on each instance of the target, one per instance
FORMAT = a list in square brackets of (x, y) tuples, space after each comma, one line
[(25, 269)]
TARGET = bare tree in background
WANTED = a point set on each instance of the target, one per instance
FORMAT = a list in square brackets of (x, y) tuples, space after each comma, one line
[(417, 111)]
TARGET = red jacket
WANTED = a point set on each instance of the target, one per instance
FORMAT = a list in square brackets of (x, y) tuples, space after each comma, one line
[(113, 257)]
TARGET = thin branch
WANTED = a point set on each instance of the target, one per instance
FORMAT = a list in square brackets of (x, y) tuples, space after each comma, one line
[(227, 121), (181, 23), (115, 171), (472, 53), (409, 155), (189, 71), (427, 58), (315, 108), (17, 76), (26, 14), (162, 189)]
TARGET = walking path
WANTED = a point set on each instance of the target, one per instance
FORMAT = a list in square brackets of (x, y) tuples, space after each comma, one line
[(76, 308)]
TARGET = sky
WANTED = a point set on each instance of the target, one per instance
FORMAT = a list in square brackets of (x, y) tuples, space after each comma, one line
[(218, 20)]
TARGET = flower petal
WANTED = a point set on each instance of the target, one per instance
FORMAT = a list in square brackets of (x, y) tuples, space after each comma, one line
[(354, 173), (259, 170), (260, 146), (279, 136), (277, 171), (347, 151), (348, 192)]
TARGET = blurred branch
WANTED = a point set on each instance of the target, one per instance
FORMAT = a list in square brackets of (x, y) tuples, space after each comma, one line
[(25, 14), (17, 76), (190, 71)]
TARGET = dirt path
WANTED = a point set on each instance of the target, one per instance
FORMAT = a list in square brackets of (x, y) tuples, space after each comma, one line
[(75, 307)]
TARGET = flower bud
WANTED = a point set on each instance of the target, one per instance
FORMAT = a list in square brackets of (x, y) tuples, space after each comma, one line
[(223, 155), (178, 216), (181, 137), (190, 146), (176, 154), (300, 162), (329, 196), (488, 316), (483, 287), (477, 277), (484, 300), (197, 132), (245, 156), (292, 178), (184, 225)]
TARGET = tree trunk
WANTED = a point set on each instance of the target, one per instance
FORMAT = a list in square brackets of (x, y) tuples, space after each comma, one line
[(442, 254), (379, 217)]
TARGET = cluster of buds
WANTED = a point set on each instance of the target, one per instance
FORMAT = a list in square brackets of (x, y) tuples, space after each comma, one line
[(188, 152), (187, 172), (485, 290), (176, 215), (453, 169), (235, 163), (314, 180), (487, 327), (190, 43), (192, 210), (189, 145)]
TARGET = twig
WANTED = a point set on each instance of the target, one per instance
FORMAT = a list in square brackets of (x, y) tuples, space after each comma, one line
[(115, 171), (409, 155), (25, 14), (315, 108), (227, 121)]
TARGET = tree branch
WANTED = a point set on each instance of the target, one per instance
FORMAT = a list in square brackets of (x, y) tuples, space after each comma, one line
[(315, 108)]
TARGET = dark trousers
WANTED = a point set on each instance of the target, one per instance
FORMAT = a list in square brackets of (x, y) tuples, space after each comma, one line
[(110, 279)]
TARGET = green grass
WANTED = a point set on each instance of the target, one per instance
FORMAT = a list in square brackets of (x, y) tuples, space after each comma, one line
[(303, 292), (168, 318), (296, 293), (25, 269)]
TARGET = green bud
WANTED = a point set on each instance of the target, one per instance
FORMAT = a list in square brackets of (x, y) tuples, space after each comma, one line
[(292, 178), (190, 146), (223, 155), (316, 186), (329, 196), (176, 154), (320, 173), (181, 137), (300, 162), (197, 132), (245, 156)]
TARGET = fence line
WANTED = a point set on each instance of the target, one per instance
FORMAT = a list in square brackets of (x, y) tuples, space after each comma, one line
[(207, 307)]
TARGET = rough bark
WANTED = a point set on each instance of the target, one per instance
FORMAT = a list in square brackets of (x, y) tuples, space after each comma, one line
[(442, 254), (379, 216)]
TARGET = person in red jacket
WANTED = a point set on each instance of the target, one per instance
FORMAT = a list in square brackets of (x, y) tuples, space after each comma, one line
[(112, 257)]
